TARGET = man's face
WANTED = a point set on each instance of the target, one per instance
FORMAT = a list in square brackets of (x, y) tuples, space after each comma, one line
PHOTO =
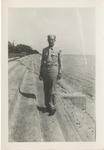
[(51, 42)]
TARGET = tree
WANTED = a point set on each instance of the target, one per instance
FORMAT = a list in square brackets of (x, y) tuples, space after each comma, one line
[(11, 47), (20, 48)]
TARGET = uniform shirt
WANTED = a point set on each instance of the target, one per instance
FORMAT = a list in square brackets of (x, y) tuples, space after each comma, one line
[(51, 56)]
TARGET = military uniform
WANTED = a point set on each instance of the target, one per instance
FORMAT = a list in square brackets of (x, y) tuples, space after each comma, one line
[(51, 67)]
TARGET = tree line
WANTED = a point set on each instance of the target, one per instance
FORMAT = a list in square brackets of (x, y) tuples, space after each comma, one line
[(21, 48)]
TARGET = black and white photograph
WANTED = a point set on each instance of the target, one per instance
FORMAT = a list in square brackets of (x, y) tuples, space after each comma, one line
[(52, 93), (51, 75)]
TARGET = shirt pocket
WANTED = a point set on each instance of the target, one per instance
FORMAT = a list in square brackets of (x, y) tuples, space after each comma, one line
[(54, 57)]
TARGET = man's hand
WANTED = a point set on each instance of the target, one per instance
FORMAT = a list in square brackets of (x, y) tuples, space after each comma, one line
[(40, 77), (59, 76)]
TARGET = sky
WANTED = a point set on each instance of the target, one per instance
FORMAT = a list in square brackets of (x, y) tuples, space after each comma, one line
[(74, 28)]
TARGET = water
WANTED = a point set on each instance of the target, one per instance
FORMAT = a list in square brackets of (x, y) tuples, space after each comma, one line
[(79, 72)]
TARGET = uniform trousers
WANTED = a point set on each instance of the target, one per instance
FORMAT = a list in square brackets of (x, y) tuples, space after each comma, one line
[(50, 83)]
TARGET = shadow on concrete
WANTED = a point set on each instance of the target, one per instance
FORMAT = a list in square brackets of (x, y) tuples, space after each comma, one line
[(27, 95), (42, 109)]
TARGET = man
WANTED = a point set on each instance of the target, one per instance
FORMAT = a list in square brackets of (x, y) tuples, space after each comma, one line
[(50, 72)]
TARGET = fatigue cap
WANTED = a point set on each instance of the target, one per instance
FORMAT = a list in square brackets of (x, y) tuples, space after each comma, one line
[(51, 37)]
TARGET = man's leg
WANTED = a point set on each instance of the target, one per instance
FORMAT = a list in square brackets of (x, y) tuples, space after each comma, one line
[(52, 99), (52, 105), (46, 93)]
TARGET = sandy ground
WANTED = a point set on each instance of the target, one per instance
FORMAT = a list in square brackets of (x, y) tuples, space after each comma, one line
[(28, 123)]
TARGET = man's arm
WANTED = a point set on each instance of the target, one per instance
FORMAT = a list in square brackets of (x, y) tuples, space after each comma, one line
[(41, 66), (60, 65)]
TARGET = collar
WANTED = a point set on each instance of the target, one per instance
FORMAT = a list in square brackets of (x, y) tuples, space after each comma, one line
[(52, 47)]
